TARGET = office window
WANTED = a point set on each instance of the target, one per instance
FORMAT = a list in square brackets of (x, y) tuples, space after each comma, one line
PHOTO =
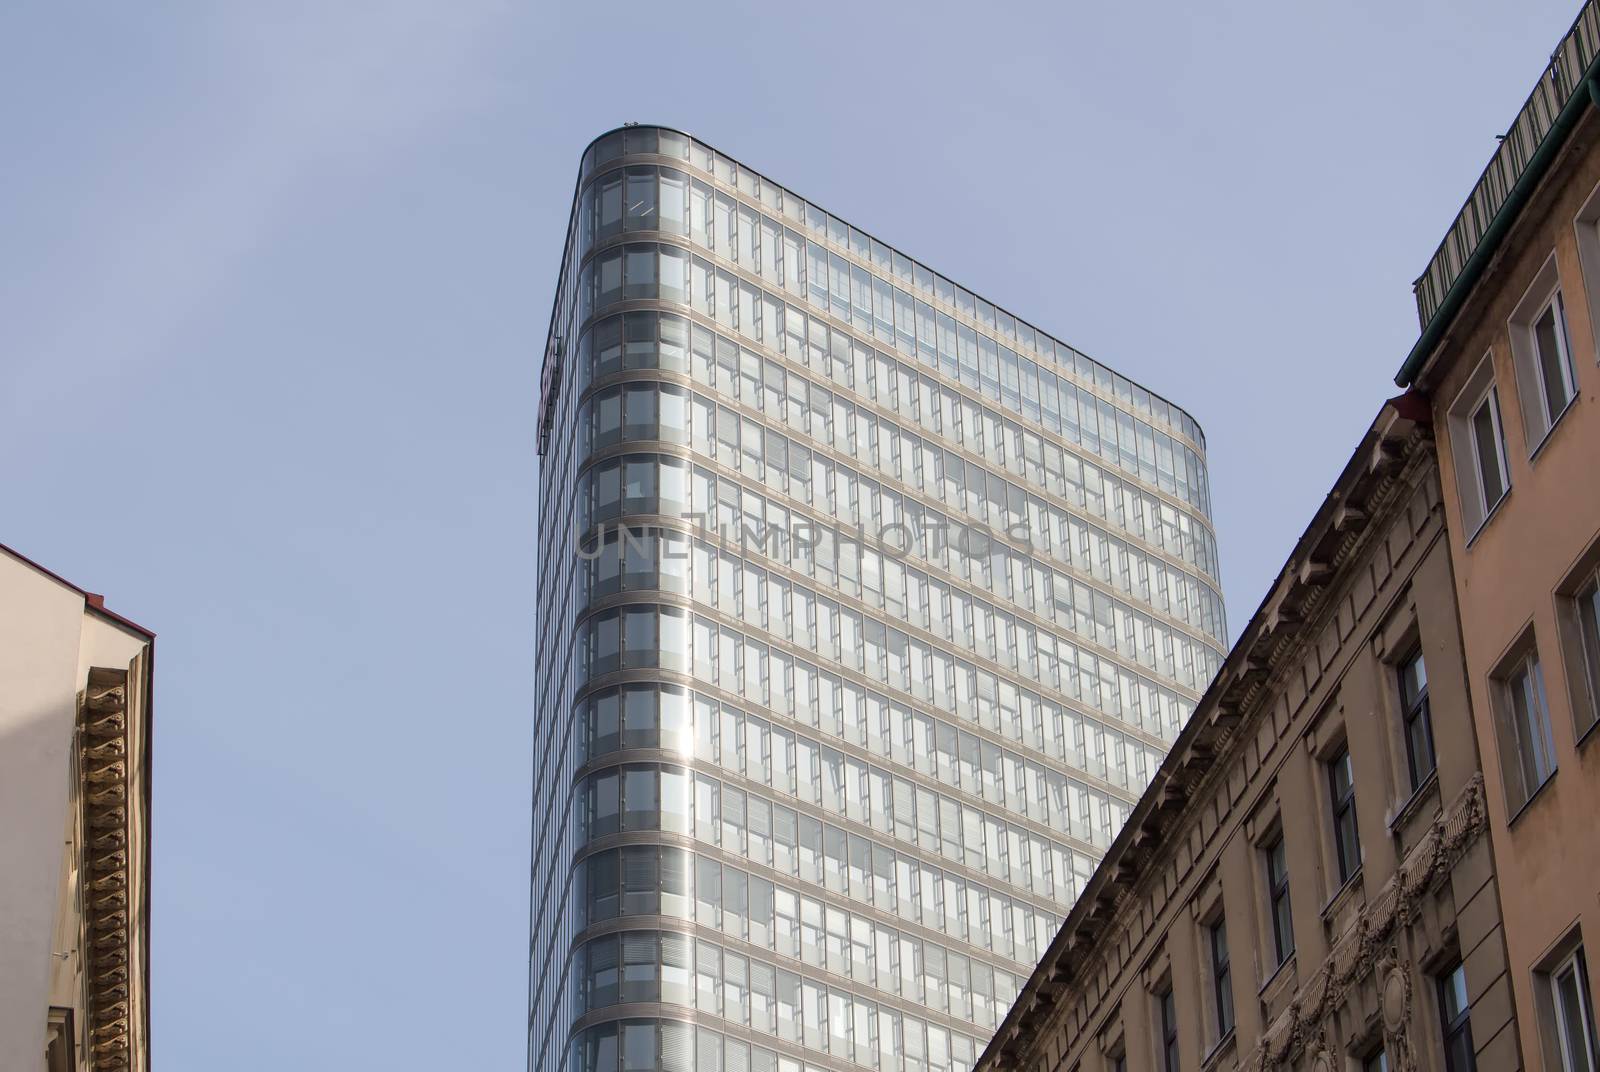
[(1376, 1062), (1574, 1014), (1527, 754), (1420, 760), (1455, 1021), (1168, 1016), (1221, 977), (1585, 609), (1278, 896), (1478, 443), (1346, 835)]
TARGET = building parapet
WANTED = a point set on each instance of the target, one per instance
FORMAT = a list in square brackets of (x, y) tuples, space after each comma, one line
[(1526, 150)]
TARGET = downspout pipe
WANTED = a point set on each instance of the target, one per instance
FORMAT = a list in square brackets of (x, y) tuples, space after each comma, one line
[(1518, 197)]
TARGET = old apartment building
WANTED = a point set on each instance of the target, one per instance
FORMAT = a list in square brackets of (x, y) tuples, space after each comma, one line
[(74, 828), (1509, 307)]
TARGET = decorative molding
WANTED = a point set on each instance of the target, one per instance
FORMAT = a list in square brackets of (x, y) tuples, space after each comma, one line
[(104, 792), (1368, 947), (1396, 1005)]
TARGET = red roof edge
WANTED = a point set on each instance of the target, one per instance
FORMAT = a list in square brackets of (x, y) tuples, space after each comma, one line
[(92, 599)]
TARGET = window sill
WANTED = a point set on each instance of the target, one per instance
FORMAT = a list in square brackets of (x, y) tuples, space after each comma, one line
[(1587, 735), (1413, 803), (1522, 808), (1494, 512), (1224, 1046), (1281, 976), (1549, 432), (1341, 895)]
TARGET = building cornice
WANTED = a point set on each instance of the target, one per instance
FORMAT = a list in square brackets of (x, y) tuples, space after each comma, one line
[(111, 972)]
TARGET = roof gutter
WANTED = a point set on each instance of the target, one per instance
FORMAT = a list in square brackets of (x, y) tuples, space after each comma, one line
[(1518, 197)]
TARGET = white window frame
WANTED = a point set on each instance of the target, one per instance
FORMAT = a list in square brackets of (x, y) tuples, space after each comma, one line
[(1589, 645), (1544, 294), (1480, 390), (1566, 959), (1574, 964), (1514, 749), (1586, 226), (1579, 629)]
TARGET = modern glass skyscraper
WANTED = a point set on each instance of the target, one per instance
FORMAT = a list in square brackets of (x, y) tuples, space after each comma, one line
[(866, 610)]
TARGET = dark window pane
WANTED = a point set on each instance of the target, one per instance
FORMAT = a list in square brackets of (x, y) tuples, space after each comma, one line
[(1486, 436)]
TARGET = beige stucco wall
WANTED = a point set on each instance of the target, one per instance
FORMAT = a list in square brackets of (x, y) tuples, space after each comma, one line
[(41, 622), (1508, 575)]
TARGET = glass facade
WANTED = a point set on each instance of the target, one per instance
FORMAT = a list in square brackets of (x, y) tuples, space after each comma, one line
[(866, 611)]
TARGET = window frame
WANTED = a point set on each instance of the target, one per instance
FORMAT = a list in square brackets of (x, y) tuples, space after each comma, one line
[(1166, 1023), (1574, 964), (1279, 892), (1481, 390), (1578, 606), (1342, 806), (1545, 294), (1414, 710), (1224, 1017), (1491, 401), (1453, 1028), (1556, 306), (1523, 665)]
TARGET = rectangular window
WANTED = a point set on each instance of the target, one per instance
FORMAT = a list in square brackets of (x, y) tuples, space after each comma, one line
[(1346, 835), (1167, 1010), (1221, 977), (1420, 760), (1541, 352), (1527, 753), (1488, 441), (1478, 443), (1376, 1062), (1455, 1021), (1574, 1014), (1585, 608), (1278, 896), (1554, 358)]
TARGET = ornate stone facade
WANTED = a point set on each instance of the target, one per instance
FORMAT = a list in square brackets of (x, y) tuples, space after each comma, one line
[(1367, 954)]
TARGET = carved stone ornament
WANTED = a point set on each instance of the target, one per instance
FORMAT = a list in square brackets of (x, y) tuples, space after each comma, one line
[(1368, 946), (1394, 998), (103, 737)]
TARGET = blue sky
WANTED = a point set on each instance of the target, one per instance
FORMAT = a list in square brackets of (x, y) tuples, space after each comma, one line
[(274, 281)]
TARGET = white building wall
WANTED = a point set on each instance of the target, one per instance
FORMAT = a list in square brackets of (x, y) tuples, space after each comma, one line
[(41, 623)]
